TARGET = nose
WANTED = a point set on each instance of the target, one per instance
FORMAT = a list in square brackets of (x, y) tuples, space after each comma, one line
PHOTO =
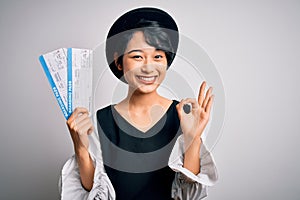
[(148, 66)]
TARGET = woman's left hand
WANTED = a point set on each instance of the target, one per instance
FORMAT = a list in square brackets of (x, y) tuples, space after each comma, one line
[(194, 122)]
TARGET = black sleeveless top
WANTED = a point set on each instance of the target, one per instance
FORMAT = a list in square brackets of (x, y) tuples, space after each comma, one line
[(136, 162)]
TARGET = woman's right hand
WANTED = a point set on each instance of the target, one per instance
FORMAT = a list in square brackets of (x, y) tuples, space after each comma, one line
[(80, 126)]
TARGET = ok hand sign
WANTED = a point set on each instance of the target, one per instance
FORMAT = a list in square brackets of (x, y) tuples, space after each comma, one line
[(194, 122)]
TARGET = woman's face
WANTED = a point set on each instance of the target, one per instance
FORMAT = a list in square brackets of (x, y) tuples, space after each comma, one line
[(144, 66)]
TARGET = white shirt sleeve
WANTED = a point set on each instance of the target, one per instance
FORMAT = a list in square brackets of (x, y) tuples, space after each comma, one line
[(186, 184), (70, 184)]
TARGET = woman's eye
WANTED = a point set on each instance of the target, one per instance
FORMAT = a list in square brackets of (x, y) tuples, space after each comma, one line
[(137, 57), (158, 57)]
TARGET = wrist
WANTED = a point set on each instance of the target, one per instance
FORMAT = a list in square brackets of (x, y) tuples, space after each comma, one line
[(192, 142), (82, 153), (196, 142)]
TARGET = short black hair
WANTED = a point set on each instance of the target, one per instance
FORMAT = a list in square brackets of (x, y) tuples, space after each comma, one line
[(159, 29), (154, 35)]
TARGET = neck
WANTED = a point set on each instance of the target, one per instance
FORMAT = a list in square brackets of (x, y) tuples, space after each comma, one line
[(142, 100)]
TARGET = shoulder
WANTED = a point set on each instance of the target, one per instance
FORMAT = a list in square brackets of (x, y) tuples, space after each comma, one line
[(168, 103), (105, 111), (175, 101), (173, 106)]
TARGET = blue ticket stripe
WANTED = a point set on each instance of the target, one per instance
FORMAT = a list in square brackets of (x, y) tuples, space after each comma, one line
[(54, 88), (69, 76)]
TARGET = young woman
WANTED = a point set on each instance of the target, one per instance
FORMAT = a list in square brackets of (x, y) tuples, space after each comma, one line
[(151, 146)]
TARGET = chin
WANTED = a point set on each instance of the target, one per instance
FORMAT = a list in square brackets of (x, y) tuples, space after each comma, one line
[(147, 89)]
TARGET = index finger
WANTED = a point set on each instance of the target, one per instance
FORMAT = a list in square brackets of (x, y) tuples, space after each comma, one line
[(78, 111)]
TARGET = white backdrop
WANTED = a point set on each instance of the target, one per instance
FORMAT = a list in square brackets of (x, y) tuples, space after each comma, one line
[(255, 45)]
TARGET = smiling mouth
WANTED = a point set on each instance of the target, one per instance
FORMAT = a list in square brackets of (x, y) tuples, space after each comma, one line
[(147, 79)]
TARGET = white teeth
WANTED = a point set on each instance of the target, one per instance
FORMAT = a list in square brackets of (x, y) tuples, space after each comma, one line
[(148, 79)]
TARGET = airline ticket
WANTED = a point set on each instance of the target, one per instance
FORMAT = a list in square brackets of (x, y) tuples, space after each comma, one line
[(69, 72)]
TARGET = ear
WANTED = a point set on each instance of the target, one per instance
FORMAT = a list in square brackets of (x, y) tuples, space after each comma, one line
[(116, 56)]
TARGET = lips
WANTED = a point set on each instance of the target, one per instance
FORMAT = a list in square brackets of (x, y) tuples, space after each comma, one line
[(147, 79)]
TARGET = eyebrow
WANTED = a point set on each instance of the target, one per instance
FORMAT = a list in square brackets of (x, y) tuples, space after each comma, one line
[(134, 50), (139, 50)]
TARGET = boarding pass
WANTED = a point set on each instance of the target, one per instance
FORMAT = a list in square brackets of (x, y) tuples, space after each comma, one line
[(69, 72)]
